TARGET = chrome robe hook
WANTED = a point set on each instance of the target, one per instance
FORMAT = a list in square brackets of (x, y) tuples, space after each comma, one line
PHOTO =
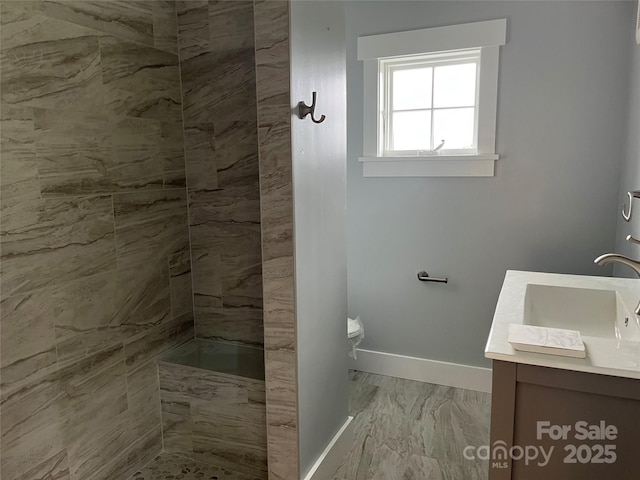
[(304, 110), (627, 214)]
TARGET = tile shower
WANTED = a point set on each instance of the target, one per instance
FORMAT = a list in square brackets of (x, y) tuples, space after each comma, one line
[(130, 225)]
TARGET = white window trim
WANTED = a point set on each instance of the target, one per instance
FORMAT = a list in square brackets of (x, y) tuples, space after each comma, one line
[(488, 36)]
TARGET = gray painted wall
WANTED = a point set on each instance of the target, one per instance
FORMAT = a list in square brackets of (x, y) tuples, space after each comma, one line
[(319, 179), (551, 206), (630, 179)]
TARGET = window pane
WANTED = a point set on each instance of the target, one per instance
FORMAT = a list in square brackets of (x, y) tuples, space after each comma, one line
[(411, 131), (455, 127), (411, 89), (455, 86)]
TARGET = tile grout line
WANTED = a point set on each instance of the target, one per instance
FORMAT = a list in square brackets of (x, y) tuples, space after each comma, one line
[(186, 176)]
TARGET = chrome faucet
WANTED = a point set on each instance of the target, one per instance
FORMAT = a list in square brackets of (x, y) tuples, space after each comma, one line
[(617, 258)]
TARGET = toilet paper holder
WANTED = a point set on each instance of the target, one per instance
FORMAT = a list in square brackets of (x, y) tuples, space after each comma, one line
[(424, 277)]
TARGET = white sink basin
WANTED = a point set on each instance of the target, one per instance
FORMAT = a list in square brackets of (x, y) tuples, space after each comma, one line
[(600, 308), (594, 313)]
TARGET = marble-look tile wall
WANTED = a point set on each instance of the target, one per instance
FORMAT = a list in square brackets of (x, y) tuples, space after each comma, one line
[(218, 89), (95, 260), (276, 196), (214, 418)]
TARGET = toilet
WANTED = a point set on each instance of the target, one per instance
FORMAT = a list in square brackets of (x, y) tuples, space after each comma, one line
[(355, 334)]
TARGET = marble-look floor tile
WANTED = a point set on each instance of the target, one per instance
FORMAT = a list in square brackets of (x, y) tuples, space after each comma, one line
[(413, 430), (170, 467)]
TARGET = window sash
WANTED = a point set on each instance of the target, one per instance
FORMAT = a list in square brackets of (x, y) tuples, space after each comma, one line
[(386, 68)]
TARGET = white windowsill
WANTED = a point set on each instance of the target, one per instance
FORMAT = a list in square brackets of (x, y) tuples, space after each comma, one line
[(482, 165)]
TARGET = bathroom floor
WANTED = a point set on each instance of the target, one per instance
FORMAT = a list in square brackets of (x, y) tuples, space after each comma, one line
[(404, 430), (414, 431), (169, 467)]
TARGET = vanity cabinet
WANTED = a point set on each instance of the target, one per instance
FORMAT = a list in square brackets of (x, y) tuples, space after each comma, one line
[(540, 407)]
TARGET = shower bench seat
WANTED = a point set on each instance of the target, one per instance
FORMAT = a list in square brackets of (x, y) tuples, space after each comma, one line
[(213, 405)]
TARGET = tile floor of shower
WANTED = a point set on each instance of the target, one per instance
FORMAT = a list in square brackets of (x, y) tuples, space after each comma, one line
[(404, 430)]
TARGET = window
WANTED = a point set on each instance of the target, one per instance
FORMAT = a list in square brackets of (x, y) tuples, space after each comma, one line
[(429, 104), (430, 100)]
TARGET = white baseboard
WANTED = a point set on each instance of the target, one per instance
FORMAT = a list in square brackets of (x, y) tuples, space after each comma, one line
[(332, 457), (423, 370)]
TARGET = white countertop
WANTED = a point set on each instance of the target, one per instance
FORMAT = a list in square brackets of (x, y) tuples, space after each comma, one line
[(604, 355)]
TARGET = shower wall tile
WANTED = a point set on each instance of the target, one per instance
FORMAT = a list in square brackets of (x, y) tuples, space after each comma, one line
[(19, 182), (57, 241), (177, 429), (140, 81), (27, 341), (236, 204), (142, 297), (233, 324), (94, 153), (58, 410), (94, 248), (56, 468), (214, 418), (150, 225), (74, 320), (218, 90), (155, 341), (180, 283), (130, 20), (144, 399), (99, 455), (31, 426), (60, 61), (165, 28), (276, 196), (193, 28), (94, 393), (272, 52), (172, 154), (83, 316)]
